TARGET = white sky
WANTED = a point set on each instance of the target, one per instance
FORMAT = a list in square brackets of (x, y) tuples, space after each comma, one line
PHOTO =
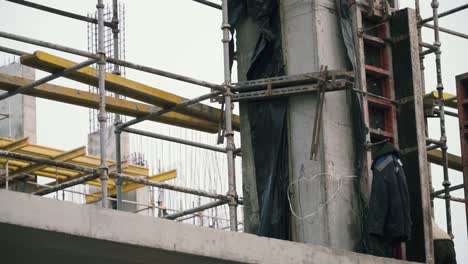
[(184, 37)]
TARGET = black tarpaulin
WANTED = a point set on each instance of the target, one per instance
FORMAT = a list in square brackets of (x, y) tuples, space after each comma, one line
[(267, 118)]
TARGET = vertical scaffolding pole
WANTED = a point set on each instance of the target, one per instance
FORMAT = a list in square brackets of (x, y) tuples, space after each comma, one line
[(118, 162), (117, 131), (102, 116), (443, 134), (230, 147)]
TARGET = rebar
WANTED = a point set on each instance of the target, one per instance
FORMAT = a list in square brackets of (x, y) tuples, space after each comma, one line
[(443, 135), (229, 133), (48, 78), (102, 115), (195, 210)]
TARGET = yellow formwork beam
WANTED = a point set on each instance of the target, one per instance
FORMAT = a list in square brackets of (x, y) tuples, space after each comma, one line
[(114, 105), (130, 186), (454, 162), (62, 174), (430, 98), (16, 144), (117, 84), (66, 156)]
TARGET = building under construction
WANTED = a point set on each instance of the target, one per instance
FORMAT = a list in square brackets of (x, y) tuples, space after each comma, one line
[(326, 161)]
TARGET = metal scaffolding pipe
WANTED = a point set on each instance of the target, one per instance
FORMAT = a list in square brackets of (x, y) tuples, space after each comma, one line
[(118, 162), (171, 109), (208, 3), (50, 162), (230, 147), (111, 60), (448, 31), (59, 12), (65, 185), (446, 13), (102, 115), (12, 51), (195, 210), (453, 188), (174, 139), (443, 134), (166, 186), (47, 79)]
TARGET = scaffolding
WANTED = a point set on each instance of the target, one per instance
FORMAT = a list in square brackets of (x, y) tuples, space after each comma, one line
[(324, 81)]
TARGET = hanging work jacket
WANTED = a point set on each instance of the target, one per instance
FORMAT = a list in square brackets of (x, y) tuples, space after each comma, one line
[(388, 215)]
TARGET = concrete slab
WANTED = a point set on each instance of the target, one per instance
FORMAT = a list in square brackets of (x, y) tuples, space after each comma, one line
[(42, 230)]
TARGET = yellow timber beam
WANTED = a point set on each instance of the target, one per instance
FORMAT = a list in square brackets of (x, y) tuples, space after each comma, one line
[(430, 98), (114, 105), (16, 144), (454, 162), (61, 158), (117, 84), (129, 186)]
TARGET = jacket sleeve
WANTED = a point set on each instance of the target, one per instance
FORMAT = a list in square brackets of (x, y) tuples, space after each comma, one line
[(379, 200)]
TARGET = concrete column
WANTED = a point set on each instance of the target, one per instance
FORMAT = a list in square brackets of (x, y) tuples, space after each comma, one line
[(140, 195), (311, 37), (21, 108)]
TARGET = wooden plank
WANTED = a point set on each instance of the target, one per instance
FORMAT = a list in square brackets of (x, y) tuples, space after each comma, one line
[(127, 187), (114, 105), (117, 84)]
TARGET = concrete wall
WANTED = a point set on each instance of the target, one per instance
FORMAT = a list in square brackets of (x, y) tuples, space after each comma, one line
[(22, 108), (140, 195)]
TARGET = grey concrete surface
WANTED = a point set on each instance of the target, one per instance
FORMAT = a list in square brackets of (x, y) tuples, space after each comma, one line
[(42, 230), (21, 108), (140, 195), (312, 37)]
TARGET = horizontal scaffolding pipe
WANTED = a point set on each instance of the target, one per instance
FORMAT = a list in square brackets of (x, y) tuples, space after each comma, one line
[(50, 162), (59, 12), (166, 186), (448, 31), (195, 210), (111, 60), (454, 199), (12, 51), (446, 13), (171, 109), (174, 139), (47, 79), (209, 3), (453, 188), (68, 184)]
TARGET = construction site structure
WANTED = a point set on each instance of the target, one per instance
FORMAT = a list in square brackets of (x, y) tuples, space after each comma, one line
[(393, 109)]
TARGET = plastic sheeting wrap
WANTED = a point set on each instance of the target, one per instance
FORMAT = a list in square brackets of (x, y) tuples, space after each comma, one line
[(267, 118)]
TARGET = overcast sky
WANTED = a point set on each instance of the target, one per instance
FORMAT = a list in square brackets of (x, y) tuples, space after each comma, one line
[(184, 37)]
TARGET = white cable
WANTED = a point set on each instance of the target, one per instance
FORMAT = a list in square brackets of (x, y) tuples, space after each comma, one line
[(320, 208)]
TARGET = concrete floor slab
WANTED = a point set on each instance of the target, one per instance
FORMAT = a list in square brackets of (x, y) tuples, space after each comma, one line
[(41, 230)]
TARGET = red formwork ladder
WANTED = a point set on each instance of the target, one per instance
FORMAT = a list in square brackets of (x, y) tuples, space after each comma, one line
[(462, 96), (375, 80)]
